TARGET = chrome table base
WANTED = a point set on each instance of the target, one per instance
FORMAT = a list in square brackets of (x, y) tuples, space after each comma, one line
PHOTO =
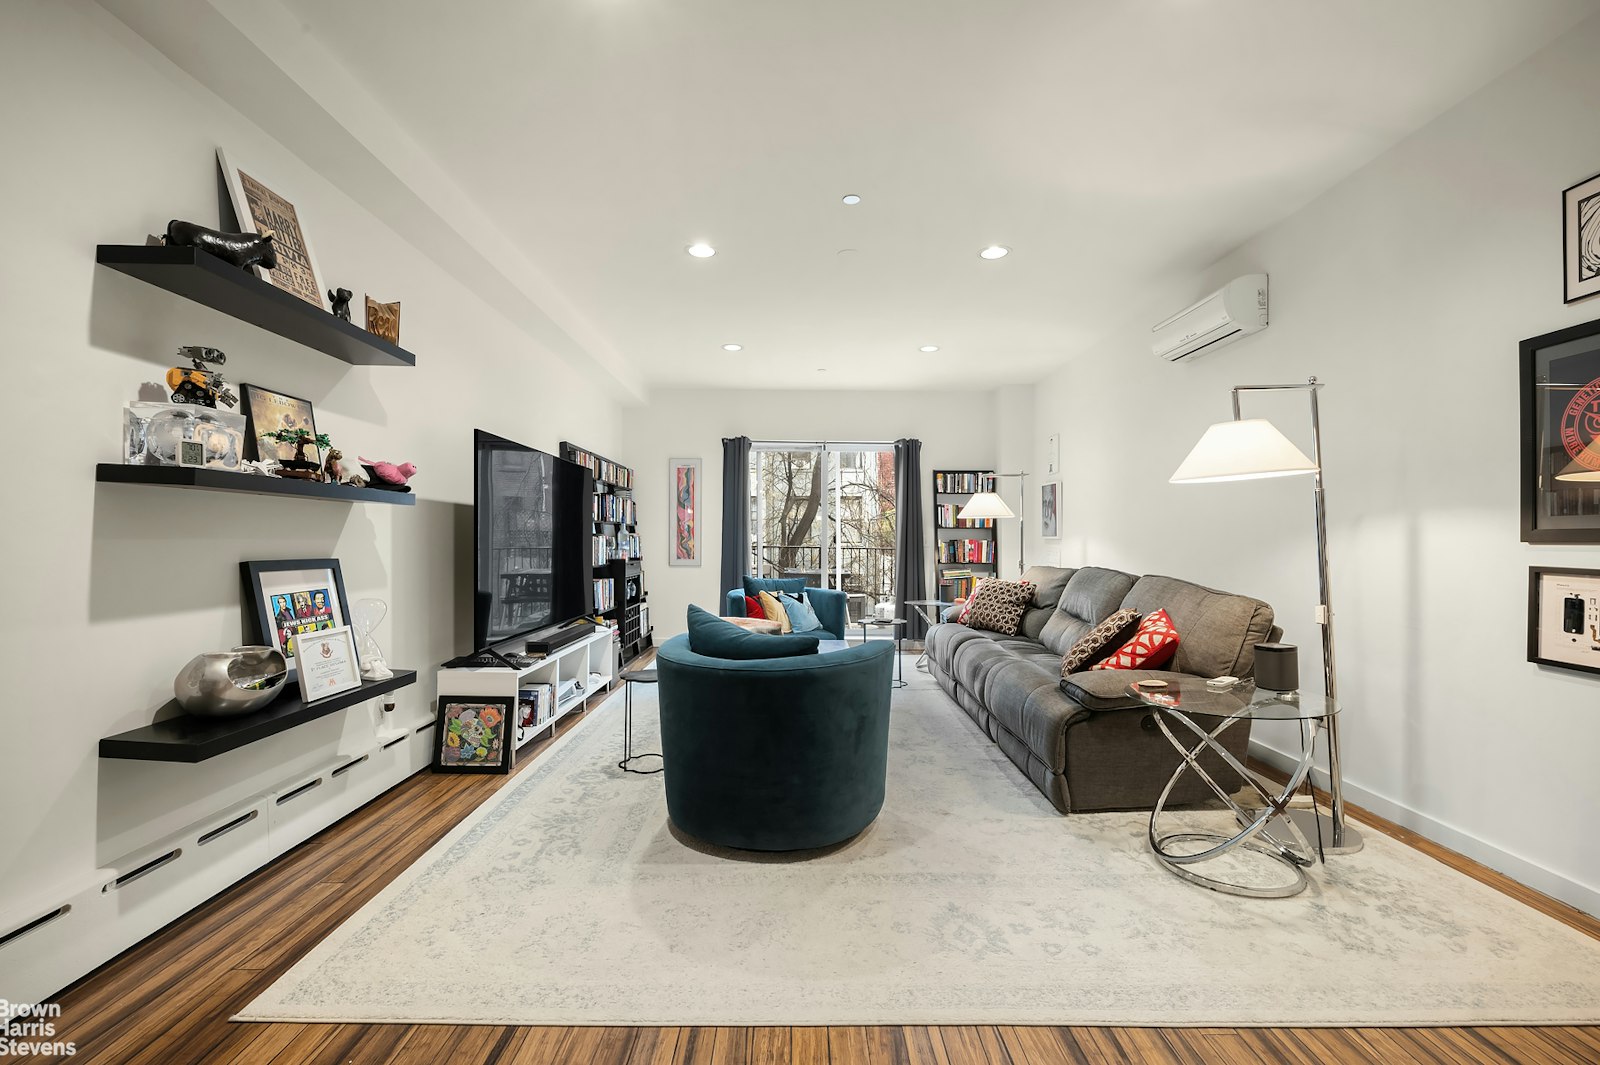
[(1295, 854)]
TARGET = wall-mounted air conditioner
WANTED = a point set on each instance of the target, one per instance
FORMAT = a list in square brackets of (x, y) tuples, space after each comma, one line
[(1235, 310)]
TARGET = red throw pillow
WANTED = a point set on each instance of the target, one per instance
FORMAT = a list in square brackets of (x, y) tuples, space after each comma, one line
[(1152, 646), (752, 608)]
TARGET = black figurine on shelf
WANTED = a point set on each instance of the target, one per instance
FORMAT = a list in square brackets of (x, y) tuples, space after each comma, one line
[(243, 250), (340, 298)]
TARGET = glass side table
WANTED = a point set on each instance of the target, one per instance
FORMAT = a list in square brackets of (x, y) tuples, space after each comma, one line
[(1179, 703), (898, 625), (932, 610)]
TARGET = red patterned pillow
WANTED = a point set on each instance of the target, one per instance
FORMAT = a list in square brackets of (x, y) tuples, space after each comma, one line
[(1152, 646), (752, 607)]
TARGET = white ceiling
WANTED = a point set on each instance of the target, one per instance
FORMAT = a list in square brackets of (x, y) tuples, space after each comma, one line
[(1112, 145)]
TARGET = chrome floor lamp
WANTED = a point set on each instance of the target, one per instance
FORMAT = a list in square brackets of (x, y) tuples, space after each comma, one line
[(990, 505), (1251, 448)]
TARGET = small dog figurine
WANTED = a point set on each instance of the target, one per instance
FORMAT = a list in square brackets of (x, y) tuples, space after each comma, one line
[(340, 298), (330, 466)]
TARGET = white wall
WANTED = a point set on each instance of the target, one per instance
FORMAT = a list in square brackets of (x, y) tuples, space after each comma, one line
[(108, 590), (1406, 288), (956, 429)]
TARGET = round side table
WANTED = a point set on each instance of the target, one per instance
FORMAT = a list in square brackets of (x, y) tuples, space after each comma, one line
[(630, 677), (932, 611), (899, 627), (1179, 703)]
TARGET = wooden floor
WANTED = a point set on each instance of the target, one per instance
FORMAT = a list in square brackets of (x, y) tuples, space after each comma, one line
[(167, 1001)]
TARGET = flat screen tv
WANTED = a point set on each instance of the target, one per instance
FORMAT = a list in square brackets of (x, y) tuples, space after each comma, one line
[(534, 518)]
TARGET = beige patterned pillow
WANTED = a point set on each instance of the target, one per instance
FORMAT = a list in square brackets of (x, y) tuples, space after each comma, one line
[(774, 611), (1104, 638), (999, 605)]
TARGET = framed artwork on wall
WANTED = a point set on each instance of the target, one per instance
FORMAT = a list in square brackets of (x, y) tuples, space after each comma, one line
[(474, 734), (1580, 230), (292, 597), (259, 209), (684, 547), (1049, 510), (1564, 618), (1560, 395)]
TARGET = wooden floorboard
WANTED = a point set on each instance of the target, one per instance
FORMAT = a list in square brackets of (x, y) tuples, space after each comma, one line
[(167, 1000)]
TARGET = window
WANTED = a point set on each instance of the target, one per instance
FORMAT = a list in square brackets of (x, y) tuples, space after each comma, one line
[(826, 513)]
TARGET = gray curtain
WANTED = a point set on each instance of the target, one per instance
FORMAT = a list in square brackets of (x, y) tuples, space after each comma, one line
[(735, 513), (910, 572)]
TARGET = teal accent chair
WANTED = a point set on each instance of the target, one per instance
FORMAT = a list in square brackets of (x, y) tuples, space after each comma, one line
[(832, 606), (774, 754)]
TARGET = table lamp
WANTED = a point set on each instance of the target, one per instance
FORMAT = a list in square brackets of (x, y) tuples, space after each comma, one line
[(1252, 448)]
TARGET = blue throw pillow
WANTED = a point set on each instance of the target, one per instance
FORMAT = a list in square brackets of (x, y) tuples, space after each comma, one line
[(709, 635), (774, 585), (801, 617)]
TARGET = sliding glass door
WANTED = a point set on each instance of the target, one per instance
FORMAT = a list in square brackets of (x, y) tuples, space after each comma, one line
[(825, 512)]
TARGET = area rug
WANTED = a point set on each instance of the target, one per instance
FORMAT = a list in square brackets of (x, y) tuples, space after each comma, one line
[(568, 899)]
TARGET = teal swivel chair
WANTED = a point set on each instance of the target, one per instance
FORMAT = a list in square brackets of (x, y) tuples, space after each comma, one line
[(774, 754)]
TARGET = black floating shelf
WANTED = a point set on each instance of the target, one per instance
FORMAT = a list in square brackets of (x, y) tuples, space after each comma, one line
[(194, 739), (195, 275), (228, 481)]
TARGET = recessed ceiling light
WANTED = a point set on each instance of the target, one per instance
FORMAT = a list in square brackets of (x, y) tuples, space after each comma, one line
[(929, 347), (701, 250), (822, 369), (733, 347), (993, 251), (851, 199)]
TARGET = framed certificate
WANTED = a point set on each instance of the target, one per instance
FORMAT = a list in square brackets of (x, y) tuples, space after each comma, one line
[(328, 662), (1564, 617)]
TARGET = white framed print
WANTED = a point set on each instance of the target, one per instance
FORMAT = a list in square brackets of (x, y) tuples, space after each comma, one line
[(1052, 456), (258, 208), (1564, 617), (684, 547), (1050, 510), (1580, 231), (328, 663)]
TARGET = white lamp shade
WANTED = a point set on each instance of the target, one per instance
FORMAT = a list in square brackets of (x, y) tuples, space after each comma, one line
[(1241, 451), (984, 505)]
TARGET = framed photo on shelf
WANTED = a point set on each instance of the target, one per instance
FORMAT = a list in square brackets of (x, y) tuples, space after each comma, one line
[(285, 599), (474, 734), (1560, 396), (685, 543), (1564, 618), (267, 411), (1050, 510), (258, 209), (327, 662), (1580, 231)]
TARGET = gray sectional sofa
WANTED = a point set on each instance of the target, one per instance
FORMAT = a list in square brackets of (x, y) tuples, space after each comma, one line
[(1096, 749)]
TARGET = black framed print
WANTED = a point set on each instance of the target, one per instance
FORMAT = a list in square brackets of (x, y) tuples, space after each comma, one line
[(269, 411), (1564, 618), (1580, 232), (286, 598), (1560, 393), (474, 734)]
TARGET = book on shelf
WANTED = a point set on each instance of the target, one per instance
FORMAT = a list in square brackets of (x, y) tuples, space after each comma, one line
[(605, 594), (536, 704), (963, 482), (604, 471), (958, 583), (946, 517), (978, 551)]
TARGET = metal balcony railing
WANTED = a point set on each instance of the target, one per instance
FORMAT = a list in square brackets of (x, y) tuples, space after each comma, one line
[(867, 574)]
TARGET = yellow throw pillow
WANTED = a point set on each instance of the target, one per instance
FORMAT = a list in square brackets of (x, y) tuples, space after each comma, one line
[(774, 610)]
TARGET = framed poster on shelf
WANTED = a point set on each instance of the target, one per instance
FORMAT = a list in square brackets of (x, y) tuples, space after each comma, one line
[(473, 733), (1560, 392), (259, 209), (292, 597), (684, 547), (1564, 617)]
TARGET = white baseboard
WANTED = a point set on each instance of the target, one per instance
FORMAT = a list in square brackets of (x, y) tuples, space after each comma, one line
[(1518, 868), (68, 934)]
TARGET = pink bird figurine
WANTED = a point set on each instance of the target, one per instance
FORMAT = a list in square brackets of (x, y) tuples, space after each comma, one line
[(389, 473)]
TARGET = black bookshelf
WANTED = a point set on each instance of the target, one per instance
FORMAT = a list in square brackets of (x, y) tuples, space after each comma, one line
[(951, 490), (182, 738), (228, 481), (205, 279), (629, 610)]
